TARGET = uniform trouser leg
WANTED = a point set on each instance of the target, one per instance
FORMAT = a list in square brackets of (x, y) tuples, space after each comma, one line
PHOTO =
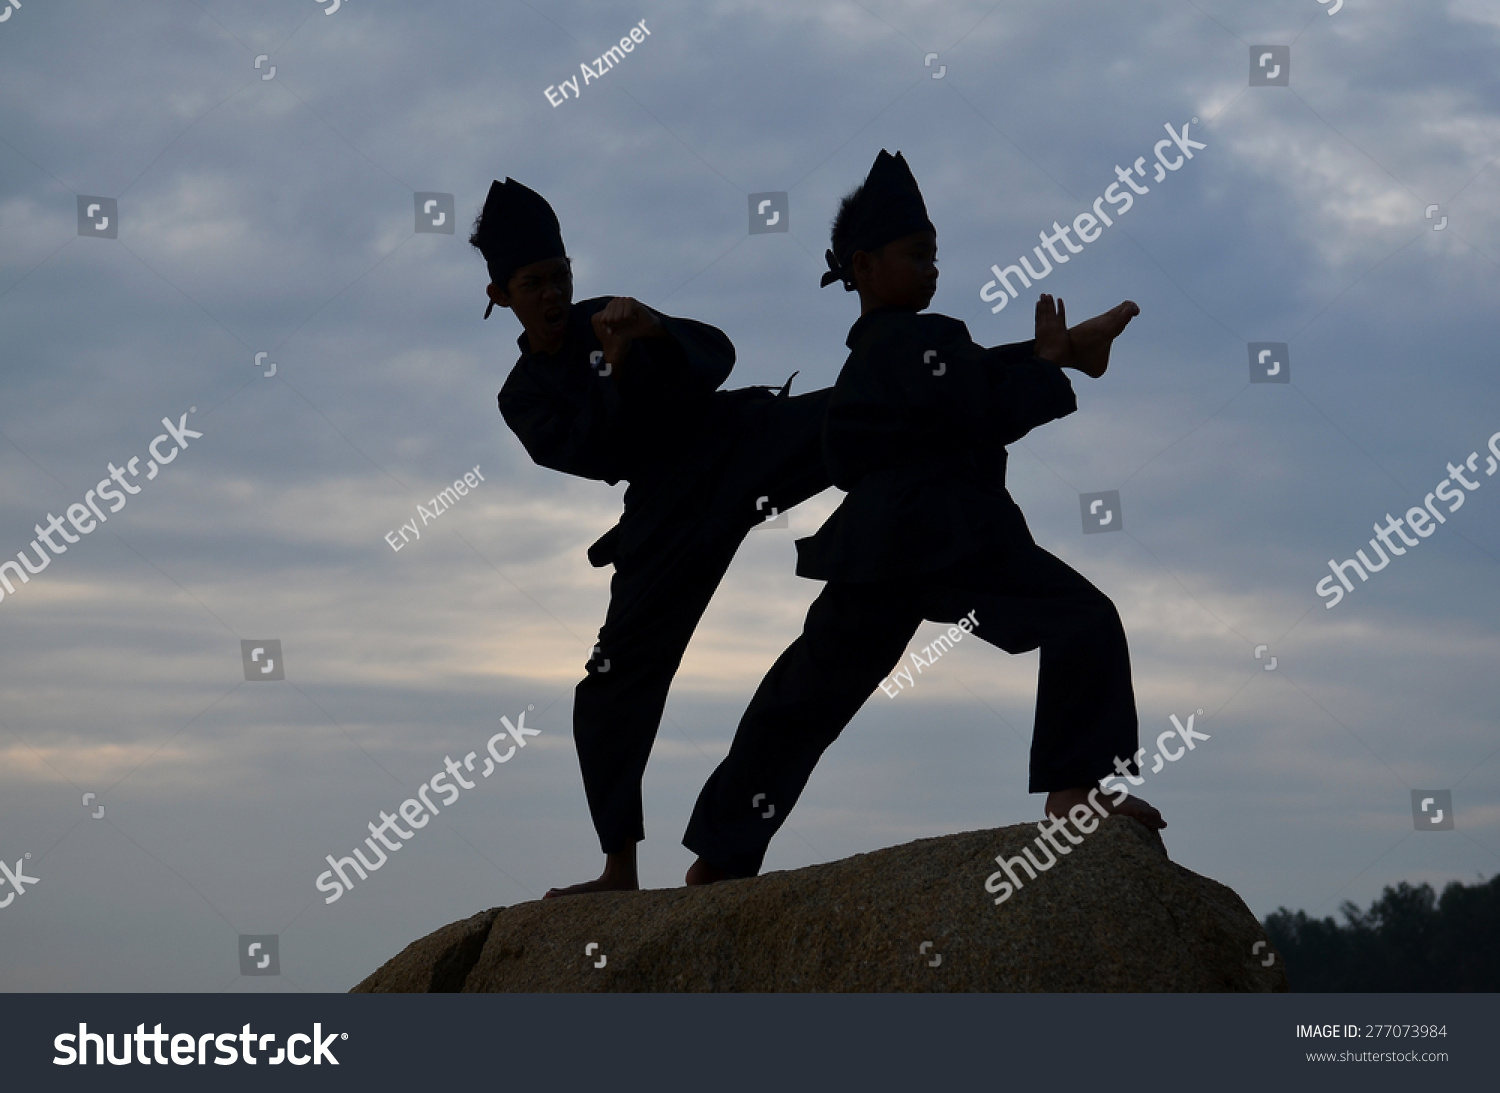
[(1085, 704), (656, 600), (661, 589), (854, 634)]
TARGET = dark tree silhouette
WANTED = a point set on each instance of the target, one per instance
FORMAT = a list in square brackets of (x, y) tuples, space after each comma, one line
[(1409, 940)]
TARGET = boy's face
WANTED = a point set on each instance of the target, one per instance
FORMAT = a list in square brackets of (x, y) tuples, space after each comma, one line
[(903, 273), (540, 294)]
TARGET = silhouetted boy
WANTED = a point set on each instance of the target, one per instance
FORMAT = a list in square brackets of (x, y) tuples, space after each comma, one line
[(610, 390), (916, 433)]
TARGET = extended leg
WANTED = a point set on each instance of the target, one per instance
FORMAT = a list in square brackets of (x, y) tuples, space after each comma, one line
[(781, 457), (853, 636)]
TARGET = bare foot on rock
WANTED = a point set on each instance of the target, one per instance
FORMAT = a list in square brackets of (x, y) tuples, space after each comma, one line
[(704, 872), (619, 876), (1062, 801)]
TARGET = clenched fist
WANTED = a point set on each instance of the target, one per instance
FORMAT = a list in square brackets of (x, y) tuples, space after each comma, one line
[(621, 321)]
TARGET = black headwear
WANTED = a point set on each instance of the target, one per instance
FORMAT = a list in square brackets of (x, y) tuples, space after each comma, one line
[(516, 228), (889, 207)]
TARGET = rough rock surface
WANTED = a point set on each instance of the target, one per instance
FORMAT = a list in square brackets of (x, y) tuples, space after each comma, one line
[(1113, 915)]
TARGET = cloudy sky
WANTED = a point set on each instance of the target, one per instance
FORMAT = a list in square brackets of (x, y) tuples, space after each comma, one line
[(262, 161)]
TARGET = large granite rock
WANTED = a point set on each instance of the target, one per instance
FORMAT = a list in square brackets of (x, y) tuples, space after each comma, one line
[(1113, 915)]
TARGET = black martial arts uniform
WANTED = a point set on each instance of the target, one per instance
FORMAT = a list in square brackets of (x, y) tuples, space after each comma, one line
[(704, 467), (915, 433)]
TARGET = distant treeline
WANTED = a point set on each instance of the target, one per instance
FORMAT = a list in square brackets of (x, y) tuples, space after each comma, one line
[(1410, 939)]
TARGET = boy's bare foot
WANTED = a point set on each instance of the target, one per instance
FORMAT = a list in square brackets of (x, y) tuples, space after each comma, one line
[(703, 872), (619, 876), (1092, 339), (1062, 801)]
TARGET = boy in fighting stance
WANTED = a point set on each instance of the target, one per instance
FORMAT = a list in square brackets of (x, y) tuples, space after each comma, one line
[(610, 390), (916, 434)]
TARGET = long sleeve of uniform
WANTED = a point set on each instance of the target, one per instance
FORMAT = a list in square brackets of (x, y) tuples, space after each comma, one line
[(1024, 390), (568, 427), (916, 433), (693, 357), (917, 385), (573, 418)]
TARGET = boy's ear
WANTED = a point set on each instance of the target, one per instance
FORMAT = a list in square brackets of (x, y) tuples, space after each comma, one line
[(497, 295), (862, 263)]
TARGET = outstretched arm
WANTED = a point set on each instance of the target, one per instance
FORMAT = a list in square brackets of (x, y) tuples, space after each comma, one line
[(1052, 341), (1086, 346), (928, 380)]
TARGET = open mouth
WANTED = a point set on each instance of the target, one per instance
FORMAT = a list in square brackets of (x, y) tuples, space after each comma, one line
[(555, 319)]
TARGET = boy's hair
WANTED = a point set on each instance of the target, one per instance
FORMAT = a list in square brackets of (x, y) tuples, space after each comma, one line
[(886, 206), (476, 232), (500, 276), (851, 207), (844, 220)]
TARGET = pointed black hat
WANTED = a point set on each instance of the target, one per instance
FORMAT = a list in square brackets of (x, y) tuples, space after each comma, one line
[(516, 228), (889, 206)]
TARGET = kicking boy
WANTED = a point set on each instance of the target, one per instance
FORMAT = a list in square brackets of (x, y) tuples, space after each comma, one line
[(916, 435), (610, 390)]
